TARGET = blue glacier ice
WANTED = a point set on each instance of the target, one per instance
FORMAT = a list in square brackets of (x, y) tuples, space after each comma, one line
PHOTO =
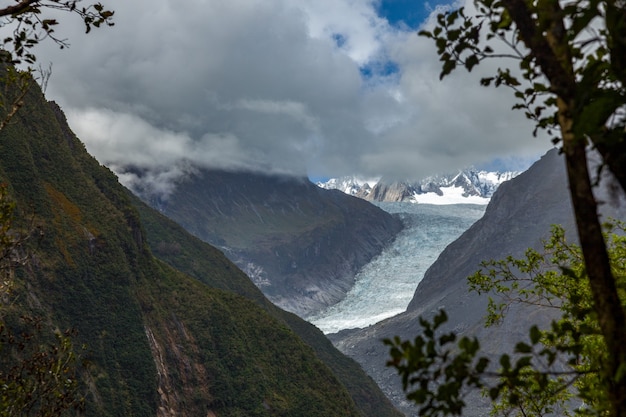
[(384, 287)]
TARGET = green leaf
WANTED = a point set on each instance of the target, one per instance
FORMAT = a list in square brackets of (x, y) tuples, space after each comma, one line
[(471, 62), (448, 67), (521, 347), (505, 362), (505, 20), (535, 335), (593, 117)]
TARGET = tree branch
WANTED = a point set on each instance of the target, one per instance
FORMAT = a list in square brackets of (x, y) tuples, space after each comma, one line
[(18, 8), (562, 81)]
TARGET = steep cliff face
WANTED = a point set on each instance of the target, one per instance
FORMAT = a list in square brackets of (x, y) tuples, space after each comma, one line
[(393, 192), (159, 341), (300, 244), (518, 217)]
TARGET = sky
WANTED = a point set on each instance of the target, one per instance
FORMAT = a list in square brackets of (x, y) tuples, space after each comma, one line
[(323, 88)]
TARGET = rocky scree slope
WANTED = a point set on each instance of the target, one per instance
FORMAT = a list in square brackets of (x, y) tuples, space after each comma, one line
[(159, 341), (301, 245)]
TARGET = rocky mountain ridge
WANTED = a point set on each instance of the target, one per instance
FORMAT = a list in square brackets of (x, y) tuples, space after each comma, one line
[(355, 186), (436, 189)]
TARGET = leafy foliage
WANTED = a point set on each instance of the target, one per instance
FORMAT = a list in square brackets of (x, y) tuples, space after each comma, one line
[(38, 379), (38, 374), (430, 371), (571, 77), (466, 40), (556, 370), (31, 22)]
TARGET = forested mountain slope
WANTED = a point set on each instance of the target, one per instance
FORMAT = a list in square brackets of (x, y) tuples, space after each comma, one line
[(300, 244), (158, 341), (171, 243)]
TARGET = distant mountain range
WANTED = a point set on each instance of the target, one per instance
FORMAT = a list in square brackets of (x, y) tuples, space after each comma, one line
[(464, 186)]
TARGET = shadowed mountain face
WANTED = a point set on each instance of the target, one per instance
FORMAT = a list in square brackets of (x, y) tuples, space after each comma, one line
[(196, 340), (518, 217), (301, 245)]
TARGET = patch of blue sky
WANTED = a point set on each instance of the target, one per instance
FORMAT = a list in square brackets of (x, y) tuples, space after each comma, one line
[(317, 178), (339, 39), (408, 13), (379, 69)]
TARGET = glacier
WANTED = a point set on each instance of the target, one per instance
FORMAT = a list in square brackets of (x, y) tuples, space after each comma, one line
[(384, 287)]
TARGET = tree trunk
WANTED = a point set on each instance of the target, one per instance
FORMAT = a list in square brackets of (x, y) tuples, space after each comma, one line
[(607, 304), (550, 48)]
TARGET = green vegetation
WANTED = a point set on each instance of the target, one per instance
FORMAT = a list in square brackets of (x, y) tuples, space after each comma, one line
[(30, 22), (556, 280), (558, 370), (236, 358), (154, 336), (38, 372), (571, 80), (172, 244)]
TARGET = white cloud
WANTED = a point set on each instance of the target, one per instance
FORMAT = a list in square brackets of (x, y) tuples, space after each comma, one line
[(295, 110), (263, 84)]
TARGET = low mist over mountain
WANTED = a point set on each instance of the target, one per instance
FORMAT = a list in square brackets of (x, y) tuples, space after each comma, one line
[(518, 216), (300, 244), (170, 326), (466, 186)]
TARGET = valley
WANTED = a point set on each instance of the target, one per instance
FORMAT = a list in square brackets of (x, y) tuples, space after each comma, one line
[(168, 325), (160, 299), (309, 209)]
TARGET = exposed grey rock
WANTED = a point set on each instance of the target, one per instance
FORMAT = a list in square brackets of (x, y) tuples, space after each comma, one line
[(392, 192), (363, 191), (519, 215)]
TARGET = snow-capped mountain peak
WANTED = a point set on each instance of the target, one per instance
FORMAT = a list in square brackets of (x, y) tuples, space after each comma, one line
[(465, 186), (355, 186)]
